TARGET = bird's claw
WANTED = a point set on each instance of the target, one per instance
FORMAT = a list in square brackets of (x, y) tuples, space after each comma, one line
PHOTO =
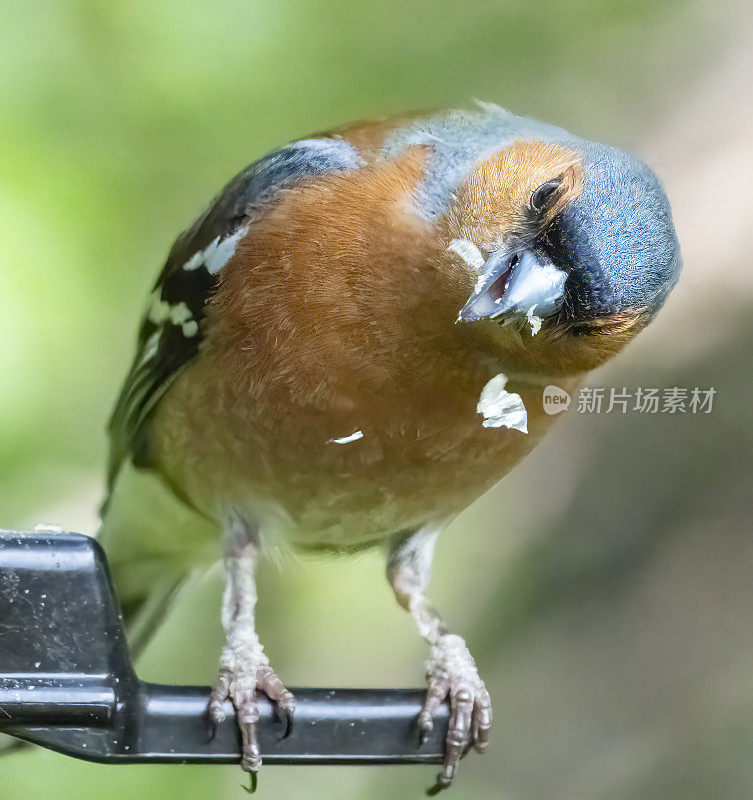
[(443, 782), (253, 780), (451, 672), (240, 686)]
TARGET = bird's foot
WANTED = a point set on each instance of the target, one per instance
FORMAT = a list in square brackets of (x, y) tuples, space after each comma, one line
[(245, 671), (451, 672)]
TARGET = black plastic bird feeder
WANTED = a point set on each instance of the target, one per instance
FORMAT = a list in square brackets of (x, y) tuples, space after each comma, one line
[(67, 682)]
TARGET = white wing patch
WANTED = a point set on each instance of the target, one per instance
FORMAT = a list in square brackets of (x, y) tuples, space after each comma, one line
[(501, 408), (216, 254), (160, 311)]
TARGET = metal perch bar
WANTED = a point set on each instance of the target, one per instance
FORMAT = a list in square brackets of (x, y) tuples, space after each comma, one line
[(67, 682)]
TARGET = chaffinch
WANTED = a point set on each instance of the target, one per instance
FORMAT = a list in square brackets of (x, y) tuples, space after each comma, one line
[(350, 346)]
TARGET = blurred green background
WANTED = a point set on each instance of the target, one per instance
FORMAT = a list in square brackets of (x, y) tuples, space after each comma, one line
[(605, 587)]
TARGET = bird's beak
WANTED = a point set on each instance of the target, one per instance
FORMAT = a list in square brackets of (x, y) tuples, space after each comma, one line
[(515, 282)]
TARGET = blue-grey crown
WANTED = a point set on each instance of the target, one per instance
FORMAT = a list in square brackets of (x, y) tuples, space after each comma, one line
[(619, 232)]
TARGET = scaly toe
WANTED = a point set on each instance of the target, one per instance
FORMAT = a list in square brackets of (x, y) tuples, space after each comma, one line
[(283, 699), (452, 671), (220, 694)]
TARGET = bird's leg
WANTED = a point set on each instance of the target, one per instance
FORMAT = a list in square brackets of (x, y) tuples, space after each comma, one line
[(450, 670), (244, 667)]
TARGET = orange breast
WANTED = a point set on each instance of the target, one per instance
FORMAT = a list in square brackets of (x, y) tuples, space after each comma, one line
[(336, 319)]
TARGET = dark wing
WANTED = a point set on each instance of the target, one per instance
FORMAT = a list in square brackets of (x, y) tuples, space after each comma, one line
[(171, 330)]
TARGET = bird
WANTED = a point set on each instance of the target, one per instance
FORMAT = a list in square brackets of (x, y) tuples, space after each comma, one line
[(349, 346)]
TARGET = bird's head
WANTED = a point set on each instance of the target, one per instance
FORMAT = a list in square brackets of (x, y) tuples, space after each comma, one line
[(570, 248)]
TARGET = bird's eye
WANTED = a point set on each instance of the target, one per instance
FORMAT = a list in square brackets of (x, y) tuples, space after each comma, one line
[(544, 195)]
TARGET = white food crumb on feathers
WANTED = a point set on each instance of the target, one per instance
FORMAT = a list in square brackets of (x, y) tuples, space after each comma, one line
[(534, 321), (501, 408), (355, 436), (468, 252)]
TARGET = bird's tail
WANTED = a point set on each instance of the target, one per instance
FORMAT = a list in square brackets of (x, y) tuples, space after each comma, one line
[(153, 542), (142, 616)]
